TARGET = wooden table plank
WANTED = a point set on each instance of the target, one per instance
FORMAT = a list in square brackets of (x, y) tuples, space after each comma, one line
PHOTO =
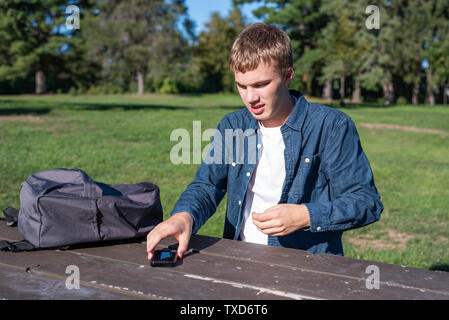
[(293, 282), (391, 275), (19, 285), (226, 269), (130, 279)]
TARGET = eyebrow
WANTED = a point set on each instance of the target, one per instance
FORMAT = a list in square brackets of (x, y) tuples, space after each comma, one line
[(255, 83)]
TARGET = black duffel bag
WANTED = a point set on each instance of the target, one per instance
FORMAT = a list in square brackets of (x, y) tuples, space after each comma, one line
[(62, 207)]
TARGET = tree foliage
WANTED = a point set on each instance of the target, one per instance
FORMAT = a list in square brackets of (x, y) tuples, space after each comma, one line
[(30, 39), (213, 47), (141, 45), (132, 37), (331, 43)]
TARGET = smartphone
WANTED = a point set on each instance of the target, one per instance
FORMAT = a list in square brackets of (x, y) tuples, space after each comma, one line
[(164, 258)]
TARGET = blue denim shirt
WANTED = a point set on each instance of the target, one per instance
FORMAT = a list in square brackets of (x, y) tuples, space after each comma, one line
[(326, 170)]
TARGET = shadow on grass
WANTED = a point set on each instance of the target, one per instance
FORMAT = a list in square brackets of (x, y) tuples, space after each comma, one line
[(86, 106), (30, 106), (24, 111), (111, 106), (134, 107), (350, 105)]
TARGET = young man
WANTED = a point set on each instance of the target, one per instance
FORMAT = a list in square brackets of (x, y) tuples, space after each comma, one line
[(311, 179)]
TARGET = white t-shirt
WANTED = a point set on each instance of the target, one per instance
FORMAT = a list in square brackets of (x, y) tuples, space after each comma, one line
[(265, 186)]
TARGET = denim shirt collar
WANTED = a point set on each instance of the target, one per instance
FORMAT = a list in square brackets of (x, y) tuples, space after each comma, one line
[(296, 118)]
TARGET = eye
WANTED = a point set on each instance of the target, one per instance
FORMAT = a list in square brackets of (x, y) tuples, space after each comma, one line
[(241, 86), (262, 84)]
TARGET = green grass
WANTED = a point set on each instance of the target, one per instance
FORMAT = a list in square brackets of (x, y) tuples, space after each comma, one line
[(124, 139)]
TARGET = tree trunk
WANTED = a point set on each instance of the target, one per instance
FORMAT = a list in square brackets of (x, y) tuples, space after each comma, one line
[(342, 91), (445, 94), (141, 81), (40, 82), (415, 93), (388, 90), (357, 92), (327, 90), (430, 96)]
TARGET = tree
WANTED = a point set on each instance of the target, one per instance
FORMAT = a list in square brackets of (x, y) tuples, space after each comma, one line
[(438, 54), (344, 45), (31, 39), (213, 47), (77, 65), (303, 21), (436, 38), (380, 63), (411, 45), (130, 35)]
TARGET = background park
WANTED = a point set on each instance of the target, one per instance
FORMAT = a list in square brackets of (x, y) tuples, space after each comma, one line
[(106, 97)]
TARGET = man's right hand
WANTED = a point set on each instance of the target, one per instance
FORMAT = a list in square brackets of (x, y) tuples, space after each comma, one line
[(179, 226)]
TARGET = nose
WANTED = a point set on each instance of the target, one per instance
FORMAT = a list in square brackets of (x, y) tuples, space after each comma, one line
[(252, 96)]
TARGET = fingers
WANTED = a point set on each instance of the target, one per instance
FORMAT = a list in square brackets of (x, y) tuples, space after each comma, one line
[(162, 231), (271, 228), (274, 232), (261, 217), (183, 245), (266, 219), (269, 214), (153, 239), (179, 226), (269, 223), (282, 219)]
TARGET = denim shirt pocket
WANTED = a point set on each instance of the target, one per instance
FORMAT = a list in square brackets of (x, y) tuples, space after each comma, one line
[(306, 178)]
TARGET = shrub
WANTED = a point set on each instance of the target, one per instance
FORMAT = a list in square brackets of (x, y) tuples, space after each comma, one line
[(169, 86), (401, 101), (72, 91)]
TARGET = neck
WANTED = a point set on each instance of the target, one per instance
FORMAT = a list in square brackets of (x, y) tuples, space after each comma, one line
[(288, 104)]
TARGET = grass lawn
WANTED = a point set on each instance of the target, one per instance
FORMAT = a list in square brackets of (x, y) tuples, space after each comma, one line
[(126, 139)]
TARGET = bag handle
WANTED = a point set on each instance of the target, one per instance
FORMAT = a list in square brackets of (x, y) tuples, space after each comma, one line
[(54, 179)]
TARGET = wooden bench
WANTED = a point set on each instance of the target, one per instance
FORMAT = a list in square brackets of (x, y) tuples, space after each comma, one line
[(222, 270)]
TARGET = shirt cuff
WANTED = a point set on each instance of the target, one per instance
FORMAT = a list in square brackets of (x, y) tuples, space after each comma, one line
[(317, 215)]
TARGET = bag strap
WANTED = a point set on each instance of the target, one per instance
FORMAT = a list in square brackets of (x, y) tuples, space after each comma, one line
[(18, 246), (11, 216)]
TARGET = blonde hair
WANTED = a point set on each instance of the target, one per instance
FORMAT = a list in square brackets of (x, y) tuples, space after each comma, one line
[(261, 43)]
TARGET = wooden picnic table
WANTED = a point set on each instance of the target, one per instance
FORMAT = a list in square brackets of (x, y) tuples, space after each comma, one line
[(222, 270)]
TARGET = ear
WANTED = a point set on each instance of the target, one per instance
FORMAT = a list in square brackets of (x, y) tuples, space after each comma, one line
[(289, 75)]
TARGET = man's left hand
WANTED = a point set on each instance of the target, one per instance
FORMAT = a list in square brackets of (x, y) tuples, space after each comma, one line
[(282, 219)]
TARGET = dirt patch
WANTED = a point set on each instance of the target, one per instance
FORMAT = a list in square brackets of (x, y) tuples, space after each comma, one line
[(400, 127), (152, 96), (394, 240), (25, 118)]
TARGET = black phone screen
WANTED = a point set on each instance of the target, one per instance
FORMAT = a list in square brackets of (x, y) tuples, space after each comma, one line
[(164, 258)]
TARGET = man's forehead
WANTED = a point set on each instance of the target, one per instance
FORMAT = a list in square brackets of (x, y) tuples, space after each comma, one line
[(261, 74), (251, 67)]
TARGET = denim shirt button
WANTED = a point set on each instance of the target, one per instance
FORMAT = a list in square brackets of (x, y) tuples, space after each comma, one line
[(318, 229), (248, 174), (307, 160), (240, 203), (233, 164)]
